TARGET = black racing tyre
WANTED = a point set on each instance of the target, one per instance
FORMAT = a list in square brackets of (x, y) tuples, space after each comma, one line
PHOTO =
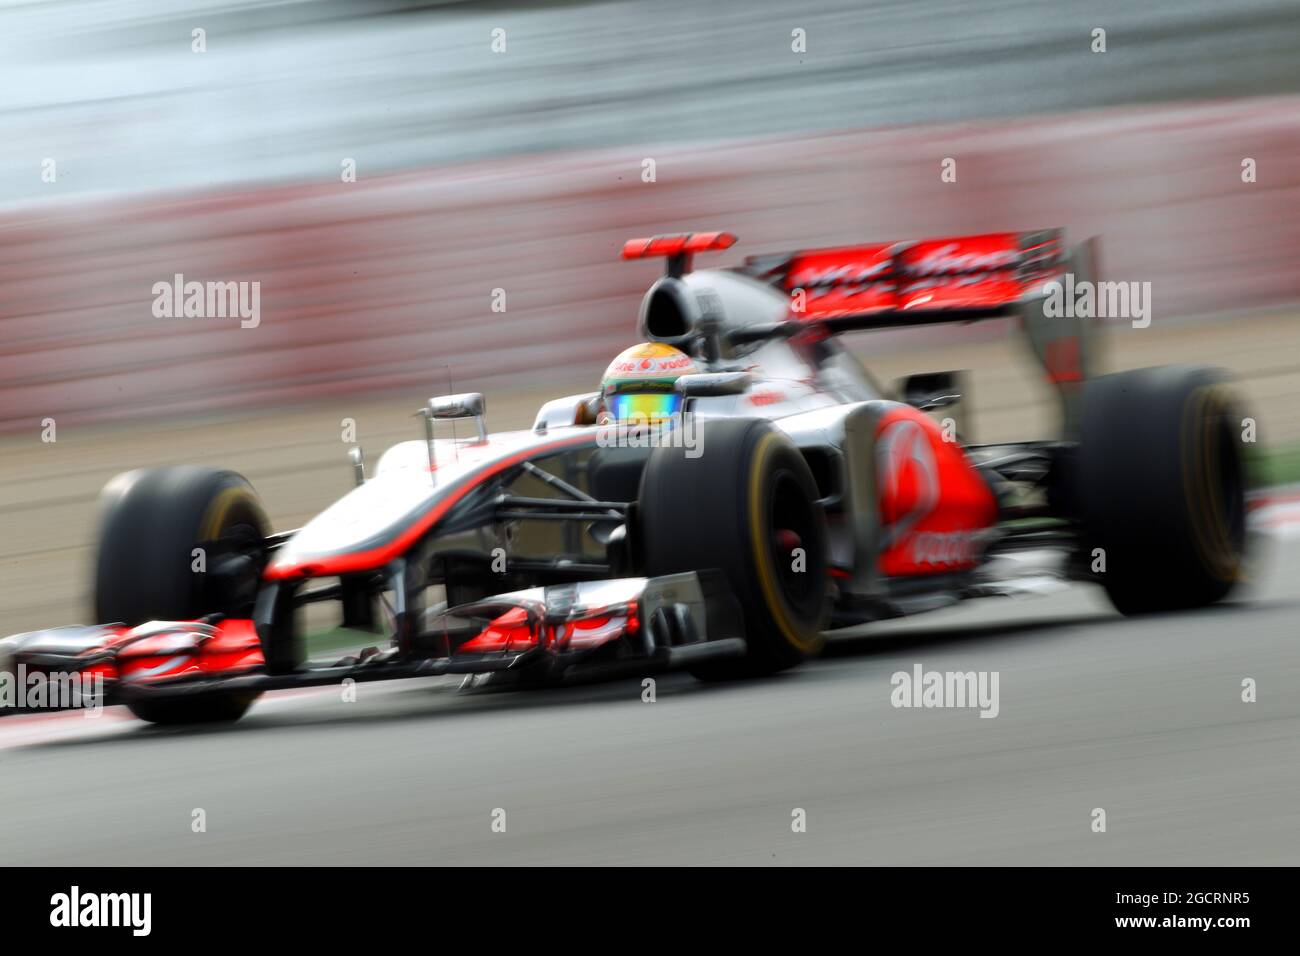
[(207, 708), (1161, 487), (151, 522), (742, 506)]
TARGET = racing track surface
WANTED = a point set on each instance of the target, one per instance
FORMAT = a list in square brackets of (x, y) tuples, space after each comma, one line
[(1142, 718)]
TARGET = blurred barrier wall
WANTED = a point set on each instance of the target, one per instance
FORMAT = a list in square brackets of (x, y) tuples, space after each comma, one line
[(388, 283)]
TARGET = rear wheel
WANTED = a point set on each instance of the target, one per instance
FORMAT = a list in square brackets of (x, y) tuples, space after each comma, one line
[(746, 504), (179, 543), (1161, 487)]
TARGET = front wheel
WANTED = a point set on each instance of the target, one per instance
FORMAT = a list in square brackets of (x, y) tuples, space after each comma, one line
[(176, 544), (209, 708), (744, 501)]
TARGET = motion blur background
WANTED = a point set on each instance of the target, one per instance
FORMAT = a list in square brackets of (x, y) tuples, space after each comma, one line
[(521, 170)]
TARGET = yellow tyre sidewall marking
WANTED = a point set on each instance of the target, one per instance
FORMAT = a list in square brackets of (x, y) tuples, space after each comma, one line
[(215, 518), (758, 521), (1209, 528)]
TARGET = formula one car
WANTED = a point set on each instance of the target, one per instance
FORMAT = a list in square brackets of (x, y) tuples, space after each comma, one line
[(786, 493)]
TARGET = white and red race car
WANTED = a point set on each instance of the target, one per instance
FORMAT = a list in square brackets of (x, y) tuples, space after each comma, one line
[(794, 494)]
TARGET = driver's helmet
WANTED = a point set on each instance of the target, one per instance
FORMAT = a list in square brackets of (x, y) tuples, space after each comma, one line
[(638, 385)]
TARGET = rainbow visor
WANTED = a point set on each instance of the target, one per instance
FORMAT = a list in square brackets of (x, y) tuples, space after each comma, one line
[(645, 407)]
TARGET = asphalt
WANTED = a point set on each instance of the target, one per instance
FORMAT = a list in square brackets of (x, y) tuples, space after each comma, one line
[(1141, 718)]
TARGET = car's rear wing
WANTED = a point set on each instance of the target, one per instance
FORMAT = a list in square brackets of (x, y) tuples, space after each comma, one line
[(905, 283), (957, 279)]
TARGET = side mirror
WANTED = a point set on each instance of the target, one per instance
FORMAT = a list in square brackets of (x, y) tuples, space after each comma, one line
[(931, 391), (452, 407), (711, 384), (464, 405)]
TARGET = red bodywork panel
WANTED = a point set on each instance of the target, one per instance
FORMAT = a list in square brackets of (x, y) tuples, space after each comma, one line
[(677, 244), (231, 647), (936, 511), (966, 272), (510, 632), (515, 631)]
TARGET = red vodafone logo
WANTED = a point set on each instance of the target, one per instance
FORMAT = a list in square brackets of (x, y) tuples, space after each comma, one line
[(909, 476)]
